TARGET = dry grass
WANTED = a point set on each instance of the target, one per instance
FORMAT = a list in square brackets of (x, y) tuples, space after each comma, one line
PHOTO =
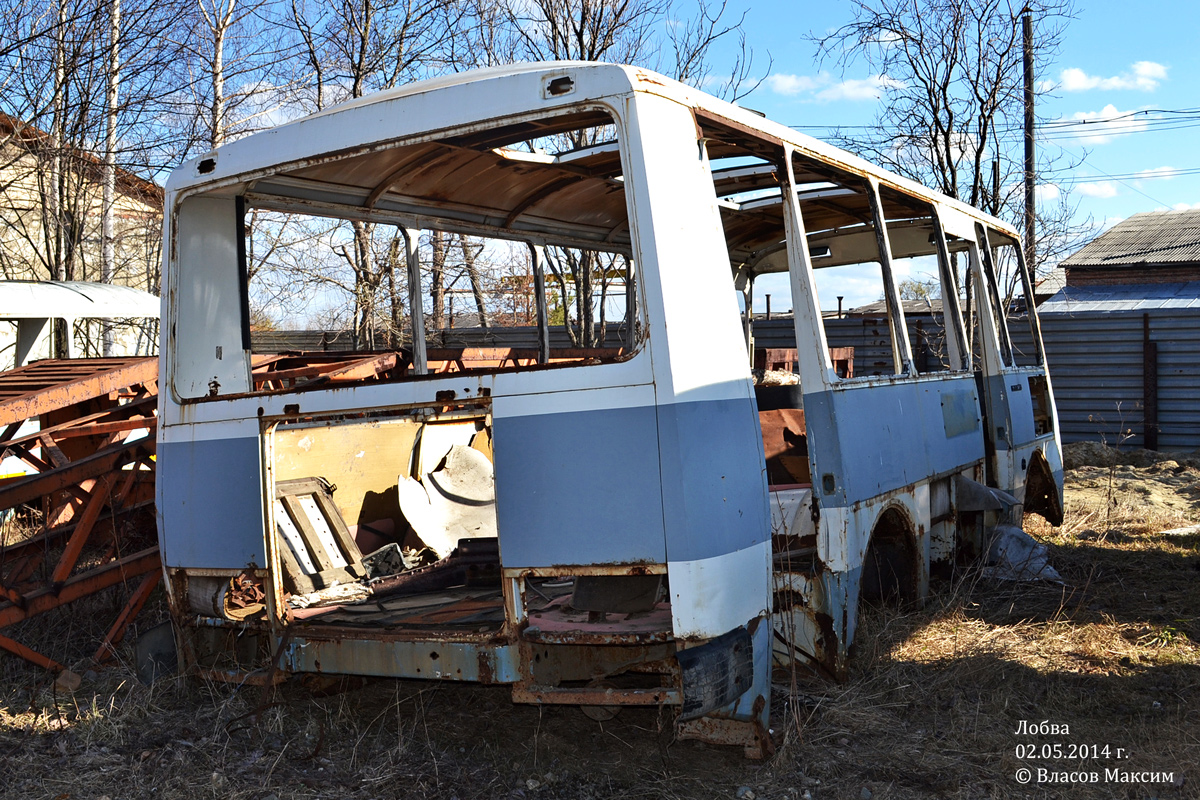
[(930, 709)]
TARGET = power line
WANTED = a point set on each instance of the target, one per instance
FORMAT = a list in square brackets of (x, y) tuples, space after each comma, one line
[(1141, 176), (1119, 125)]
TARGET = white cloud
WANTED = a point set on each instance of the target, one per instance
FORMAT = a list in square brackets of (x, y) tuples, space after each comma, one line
[(1047, 192), (823, 87), (1143, 76), (1106, 123), (1186, 207), (1158, 172), (871, 88), (1098, 189), (783, 83)]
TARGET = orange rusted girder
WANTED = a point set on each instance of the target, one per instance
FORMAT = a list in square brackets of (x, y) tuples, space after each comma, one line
[(118, 426), (83, 529), (49, 385), (60, 478), (117, 632), (41, 600), (78, 427), (35, 545), (16, 648), (364, 368)]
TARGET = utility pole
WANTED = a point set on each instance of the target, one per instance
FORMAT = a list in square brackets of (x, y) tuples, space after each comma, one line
[(1030, 177)]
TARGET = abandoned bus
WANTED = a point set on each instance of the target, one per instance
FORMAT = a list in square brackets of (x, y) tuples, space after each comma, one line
[(628, 515)]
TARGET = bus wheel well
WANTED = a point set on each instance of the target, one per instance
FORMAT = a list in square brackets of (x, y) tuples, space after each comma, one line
[(889, 573), (1041, 493)]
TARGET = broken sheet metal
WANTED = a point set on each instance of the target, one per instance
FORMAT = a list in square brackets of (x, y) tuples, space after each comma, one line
[(457, 501), (716, 673)]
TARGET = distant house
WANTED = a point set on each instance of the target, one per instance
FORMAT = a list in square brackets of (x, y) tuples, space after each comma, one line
[(51, 203), (1123, 335), (1152, 247)]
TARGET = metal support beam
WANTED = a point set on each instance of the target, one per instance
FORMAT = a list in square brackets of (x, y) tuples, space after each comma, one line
[(537, 253), (132, 608), (45, 599), (901, 347), (51, 385), (1149, 387), (412, 239), (32, 656)]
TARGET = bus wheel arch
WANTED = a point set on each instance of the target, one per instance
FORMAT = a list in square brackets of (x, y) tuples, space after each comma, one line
[(891, 571), (1042, 493)]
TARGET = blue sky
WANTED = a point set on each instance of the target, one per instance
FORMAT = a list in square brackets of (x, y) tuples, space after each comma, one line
[(1117, 58)]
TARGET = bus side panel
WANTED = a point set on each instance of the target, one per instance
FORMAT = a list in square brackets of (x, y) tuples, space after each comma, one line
[(712, 476), (717, 519), (210, 503), (578, 487), (712, 472), (878, 438), (715, 493)]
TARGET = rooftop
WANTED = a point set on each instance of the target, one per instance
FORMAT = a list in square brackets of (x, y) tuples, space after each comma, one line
[(1152, 238), (1124, 297)]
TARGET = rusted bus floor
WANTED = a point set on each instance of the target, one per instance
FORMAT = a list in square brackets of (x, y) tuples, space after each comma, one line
[(463, 609), (481, 610)]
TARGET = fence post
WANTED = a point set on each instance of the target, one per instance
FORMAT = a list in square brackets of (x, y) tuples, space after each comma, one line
[(1149, 387)]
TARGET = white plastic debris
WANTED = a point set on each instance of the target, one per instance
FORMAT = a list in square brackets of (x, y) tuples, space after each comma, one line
[(452, 503), (1014, 555)]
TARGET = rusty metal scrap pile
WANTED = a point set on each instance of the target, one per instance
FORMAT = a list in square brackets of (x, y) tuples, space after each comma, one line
[(92, 480)]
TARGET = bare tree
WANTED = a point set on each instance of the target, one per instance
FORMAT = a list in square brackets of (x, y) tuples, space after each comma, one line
[(348, 50), (232, 83), (952, 111), (107, 232)]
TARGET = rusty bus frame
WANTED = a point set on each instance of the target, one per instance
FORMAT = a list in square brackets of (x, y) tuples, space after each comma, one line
[(701, 196)]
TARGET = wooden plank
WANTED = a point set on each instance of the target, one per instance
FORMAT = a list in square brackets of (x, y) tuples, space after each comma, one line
[(291, 567), (307, 532)]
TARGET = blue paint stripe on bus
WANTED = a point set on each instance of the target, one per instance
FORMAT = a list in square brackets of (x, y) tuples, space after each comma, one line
[(877, 439), (713, 478), (586, 488), (578, 488), (210, 504)]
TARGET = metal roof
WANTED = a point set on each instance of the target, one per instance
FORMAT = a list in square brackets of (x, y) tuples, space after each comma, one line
[(74, 300), (1147, 239), (1123, 297), (1052, 283), (932, 305)]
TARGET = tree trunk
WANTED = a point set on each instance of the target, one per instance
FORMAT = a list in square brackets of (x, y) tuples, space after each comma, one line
[(587, 311), (396, 334), (476, 287), (364, 287), (108, 247), (57, 123), (437, 281)]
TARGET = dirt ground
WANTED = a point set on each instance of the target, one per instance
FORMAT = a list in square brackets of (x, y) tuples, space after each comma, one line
[(1111, 656)]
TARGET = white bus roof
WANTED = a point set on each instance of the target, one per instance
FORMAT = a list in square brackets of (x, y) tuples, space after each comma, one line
[(346, 157)]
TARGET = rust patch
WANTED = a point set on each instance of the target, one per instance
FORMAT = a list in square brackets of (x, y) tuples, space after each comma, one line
[(486, 674)]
